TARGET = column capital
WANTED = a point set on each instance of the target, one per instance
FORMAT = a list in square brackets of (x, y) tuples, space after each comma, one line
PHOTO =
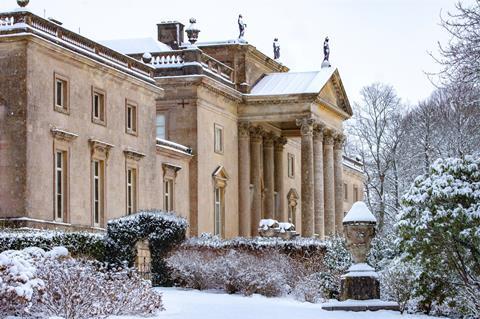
[(328, 137), (318, 131), (306, 125), (339, 140), (280, 142), (244, 129), (268, 139), (256, 133)]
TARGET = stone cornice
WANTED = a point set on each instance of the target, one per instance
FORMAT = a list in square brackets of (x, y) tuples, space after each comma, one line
[(132, 154), (279, 98), (63, 135)]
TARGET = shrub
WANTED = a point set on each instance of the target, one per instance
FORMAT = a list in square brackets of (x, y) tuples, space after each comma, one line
[(398, 283), (163, 231), (232, 271), (35, 283), (78, 243), (440, 228), (19, 285), (310, 288), (80, 289)]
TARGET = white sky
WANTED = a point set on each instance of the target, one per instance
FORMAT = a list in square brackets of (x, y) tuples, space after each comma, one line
[(370, 40)]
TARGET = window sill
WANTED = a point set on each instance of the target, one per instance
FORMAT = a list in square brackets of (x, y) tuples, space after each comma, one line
[(129, 132), (99, 122), (60, 109)]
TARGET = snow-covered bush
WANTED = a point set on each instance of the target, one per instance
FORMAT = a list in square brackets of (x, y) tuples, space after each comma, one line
[(398, 283), (35, 283), (19, 285), (233, 271), (82, 288), (439, 227), (336, 263), (310, 288), (163, 231), (78, 243)]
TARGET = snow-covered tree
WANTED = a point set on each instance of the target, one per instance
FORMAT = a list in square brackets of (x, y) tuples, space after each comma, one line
[(440, 229)]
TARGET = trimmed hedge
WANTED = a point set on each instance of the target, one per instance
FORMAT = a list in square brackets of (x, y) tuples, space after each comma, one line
[(79, 244), (163, 230)]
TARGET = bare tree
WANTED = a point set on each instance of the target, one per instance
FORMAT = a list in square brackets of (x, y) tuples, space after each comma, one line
[(376, 138), (460, 58)]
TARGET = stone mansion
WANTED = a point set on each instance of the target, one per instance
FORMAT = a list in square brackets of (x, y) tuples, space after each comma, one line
[(218, 132)]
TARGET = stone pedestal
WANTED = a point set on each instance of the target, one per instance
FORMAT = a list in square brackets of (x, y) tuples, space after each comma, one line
[(360, 283), (360, 288)]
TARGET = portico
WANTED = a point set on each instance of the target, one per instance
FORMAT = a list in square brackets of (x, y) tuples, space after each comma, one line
[(311, 109)]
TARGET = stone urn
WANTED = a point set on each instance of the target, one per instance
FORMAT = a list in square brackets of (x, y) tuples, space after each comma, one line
[(360, 283)]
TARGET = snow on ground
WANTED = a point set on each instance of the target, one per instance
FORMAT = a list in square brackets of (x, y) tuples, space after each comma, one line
[(195, 304)]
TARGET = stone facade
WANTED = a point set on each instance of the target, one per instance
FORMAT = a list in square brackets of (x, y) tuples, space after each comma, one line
[(241, 153)]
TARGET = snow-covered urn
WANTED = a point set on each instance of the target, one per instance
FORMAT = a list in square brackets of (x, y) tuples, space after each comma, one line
[(360, 282), (359, 230)]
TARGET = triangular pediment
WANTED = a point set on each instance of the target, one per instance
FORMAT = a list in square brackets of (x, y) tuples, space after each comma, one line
[(220, 173), (333, 94)]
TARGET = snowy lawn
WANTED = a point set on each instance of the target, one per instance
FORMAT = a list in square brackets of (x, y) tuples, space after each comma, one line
[(195, 304)]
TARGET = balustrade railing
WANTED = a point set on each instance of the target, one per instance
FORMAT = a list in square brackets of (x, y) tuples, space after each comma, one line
[(48, 29), (178, 58)]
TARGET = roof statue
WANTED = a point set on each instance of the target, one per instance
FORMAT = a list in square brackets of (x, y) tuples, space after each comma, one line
[(276, 49), (326, 54), (23, 3), (241, 26)]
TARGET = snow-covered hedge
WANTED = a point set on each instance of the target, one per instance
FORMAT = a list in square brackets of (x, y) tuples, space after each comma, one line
[(307, 268), (39, 284), (439, 230), (234, 272), (163, 231), (78, 243)]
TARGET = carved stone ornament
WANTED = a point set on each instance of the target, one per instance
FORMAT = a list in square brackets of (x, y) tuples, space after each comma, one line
[(244, 129), (100, 148), (328, 137), (306, 125), (339, 140), (280, 143), (256, 133)]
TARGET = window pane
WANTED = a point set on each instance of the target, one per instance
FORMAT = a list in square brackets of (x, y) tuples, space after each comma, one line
[(160, 123), (59, 91), (129, 117)]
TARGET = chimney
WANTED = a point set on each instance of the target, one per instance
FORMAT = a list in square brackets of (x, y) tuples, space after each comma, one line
[(171, 33)]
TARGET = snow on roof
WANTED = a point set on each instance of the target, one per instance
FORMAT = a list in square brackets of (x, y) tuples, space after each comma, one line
[(359, 213), (293, 82), (136, 45)]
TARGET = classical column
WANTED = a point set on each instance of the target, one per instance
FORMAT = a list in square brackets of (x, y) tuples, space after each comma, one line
[(306, 129), (244, 207), (328, 184), (282, 215), (256, 134), (268, 165), (338, 172), (318, 181)]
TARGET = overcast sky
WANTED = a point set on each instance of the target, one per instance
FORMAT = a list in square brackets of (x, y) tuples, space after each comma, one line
[(370, 40)]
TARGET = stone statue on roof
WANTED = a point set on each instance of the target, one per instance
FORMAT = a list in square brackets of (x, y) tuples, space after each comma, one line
[(276, 49), (326, 53), (241, 26)]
